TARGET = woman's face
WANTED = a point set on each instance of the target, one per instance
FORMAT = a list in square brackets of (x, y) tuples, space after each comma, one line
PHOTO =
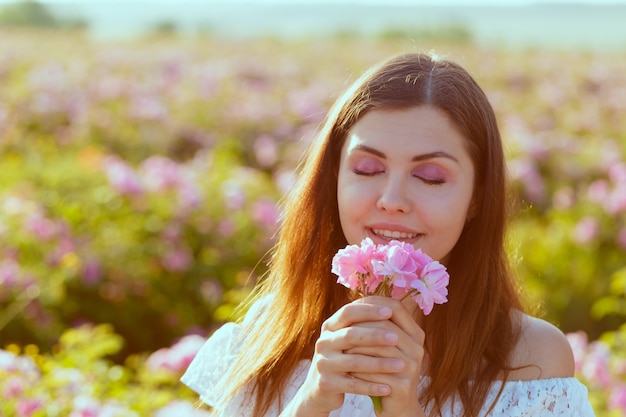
[(405, 175)]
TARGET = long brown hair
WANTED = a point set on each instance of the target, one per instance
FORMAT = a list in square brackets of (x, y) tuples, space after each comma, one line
[(469, 339)]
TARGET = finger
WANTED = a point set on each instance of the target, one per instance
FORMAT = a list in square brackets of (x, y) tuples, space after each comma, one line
[(332, 343), (357, 335), (401, 316), (356, 312), (391, 329), (363, 364), (353, 385)]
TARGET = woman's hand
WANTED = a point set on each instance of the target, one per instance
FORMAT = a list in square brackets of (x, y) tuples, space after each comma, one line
[(372, 346), (407, 355)]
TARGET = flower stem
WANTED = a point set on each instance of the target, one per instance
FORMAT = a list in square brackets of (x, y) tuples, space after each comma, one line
[(378, 403)]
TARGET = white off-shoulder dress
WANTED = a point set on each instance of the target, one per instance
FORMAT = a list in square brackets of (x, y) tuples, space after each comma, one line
[(563, 397)]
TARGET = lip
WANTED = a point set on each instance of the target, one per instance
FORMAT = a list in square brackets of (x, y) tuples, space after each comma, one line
[(392, 227)]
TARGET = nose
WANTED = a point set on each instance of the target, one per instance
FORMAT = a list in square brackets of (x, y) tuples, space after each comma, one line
[(393, 197)]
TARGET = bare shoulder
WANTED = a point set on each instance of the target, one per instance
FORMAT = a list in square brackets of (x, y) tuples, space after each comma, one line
[(542, 351)]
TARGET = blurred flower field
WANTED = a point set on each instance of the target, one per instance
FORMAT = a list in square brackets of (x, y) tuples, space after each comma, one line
[(140, 183)]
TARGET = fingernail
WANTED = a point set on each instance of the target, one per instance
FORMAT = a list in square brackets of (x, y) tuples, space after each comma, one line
[(397, 364), (384, 312), (383, 390), (391, 338)]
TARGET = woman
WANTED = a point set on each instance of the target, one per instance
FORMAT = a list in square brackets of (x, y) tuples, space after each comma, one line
[(411, 152)]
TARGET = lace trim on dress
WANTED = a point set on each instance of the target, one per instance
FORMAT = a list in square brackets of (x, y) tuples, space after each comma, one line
[(556, 397)]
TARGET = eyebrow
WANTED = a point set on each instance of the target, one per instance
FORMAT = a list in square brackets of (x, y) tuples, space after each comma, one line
[(416, 158)]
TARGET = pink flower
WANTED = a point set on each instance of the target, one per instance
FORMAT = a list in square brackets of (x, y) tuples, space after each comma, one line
[(617, 399), (178, 357), (354, 261), (234, 195), (14, 387), (396, 270), (432, 287), (27, 407), (92, 272), (595, 367), (122, 176), (579, 342), (265, 213), (586, 230), (177, 259), (10, 272), (266, 150), (42, 227), (161, 173), (398, 263)]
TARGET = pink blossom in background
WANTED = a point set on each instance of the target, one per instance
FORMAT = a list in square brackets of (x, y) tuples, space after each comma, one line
[(617, 398), (265, 150), (10, 272), (64, 246), (122, 176), (177, 357), (285, 180), (13, 386), (310, 103), (177, 259), (92, 272), (27, 407), (617, 173), (148, 107), (109, 88), (42, 227), (160, 173), (598, 191), (595, 367), (564, 198), (616, 200), (211, 290), (226, 228), (586, 230), (181, 409), (579, 342), (189, 196), (265, 213), (234, 195)]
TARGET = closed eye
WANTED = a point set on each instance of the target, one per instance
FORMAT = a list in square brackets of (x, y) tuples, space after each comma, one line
[(368, 167), (433, 182), (366, 173), (430, 174)]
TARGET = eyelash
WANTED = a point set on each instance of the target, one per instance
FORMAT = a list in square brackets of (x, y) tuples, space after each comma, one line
[(426, 181)]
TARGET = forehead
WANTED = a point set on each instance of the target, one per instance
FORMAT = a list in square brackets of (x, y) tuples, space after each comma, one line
[(402, 131)]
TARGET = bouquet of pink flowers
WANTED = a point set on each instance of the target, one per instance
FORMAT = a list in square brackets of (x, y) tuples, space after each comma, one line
[(395, 270)]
